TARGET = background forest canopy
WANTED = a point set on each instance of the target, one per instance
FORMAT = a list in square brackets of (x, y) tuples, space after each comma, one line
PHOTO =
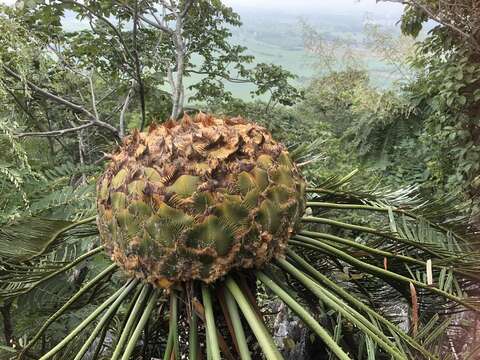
[(401, 104)]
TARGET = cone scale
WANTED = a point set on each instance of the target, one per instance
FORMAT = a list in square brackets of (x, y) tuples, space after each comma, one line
[(196, 198)]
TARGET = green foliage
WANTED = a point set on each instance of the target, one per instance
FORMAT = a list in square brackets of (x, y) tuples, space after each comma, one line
[(378, 129), (446, 97), (445, 93), (412, 21), (330, 97), (273, 79)]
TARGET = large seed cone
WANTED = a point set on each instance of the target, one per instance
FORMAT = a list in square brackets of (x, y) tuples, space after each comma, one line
[(194, 199)]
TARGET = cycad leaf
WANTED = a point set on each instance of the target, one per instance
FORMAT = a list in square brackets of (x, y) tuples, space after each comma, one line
[(185, 185), (30, 237), (211, 232)]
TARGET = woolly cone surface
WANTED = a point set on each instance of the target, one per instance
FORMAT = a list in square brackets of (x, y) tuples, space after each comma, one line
[(194, 199)]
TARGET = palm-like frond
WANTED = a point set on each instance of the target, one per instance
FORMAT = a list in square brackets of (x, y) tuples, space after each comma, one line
[(356, 253), (30, 238), (34, 251)]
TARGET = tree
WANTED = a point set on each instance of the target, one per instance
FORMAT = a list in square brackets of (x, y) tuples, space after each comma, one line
[(447, 91), (169, 38), (460, 17)]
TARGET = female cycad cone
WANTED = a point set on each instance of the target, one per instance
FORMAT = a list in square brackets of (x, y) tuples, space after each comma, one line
[(194, 199)]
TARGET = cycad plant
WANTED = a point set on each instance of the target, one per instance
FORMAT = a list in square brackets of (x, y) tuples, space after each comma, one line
[(206, 219)]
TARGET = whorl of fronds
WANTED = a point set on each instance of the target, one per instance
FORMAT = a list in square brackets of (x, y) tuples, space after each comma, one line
[(193, 199)]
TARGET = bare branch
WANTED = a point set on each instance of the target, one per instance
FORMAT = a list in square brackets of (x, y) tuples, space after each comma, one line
[(107, 126), (167, 5), (187, 6), (147, 20), (159, 21), (123, 112), (170, 79), (81, 154), (138, 69), (227, 77), (49, 95), (177, 94), (92, 94), (104, 97), (439, 19), (156, 25), (176, 81), (94, 120), (56, 132)]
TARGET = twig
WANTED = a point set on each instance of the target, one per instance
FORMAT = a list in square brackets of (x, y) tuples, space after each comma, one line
[(56, 132), (49, 95), (105, 20), (187, 6), (81, 153), (92, 94), (148, 21), (124, 110), (469, 37), (104, 97), (138, 70), (447, 24), (94, 120)]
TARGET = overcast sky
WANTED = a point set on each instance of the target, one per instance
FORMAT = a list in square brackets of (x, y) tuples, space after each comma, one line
[(320, 5)]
